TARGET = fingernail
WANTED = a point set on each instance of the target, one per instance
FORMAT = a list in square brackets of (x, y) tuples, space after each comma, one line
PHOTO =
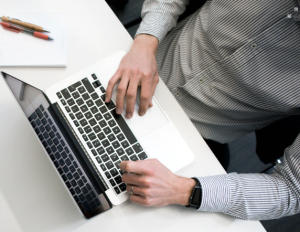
[(128, 115), (106, 99), (118, 111), (142, 113)]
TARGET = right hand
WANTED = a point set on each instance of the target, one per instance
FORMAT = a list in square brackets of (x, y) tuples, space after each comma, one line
[(137, 68)]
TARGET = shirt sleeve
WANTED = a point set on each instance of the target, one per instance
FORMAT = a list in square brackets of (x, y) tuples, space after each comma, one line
[(256, 196), (159, 16)]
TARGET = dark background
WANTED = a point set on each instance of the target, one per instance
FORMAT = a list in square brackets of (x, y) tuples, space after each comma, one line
[(242, 151)]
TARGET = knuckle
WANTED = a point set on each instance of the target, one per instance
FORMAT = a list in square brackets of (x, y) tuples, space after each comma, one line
[(145, 96), (148, 201), (121, 89), (130, 94), (146, 182)]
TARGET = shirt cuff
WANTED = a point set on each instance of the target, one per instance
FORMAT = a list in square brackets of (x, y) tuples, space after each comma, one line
[(156, 24), (215, 193)]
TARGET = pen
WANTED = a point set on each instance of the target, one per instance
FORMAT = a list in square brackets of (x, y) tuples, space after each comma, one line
[(9, 27), (23, 24)]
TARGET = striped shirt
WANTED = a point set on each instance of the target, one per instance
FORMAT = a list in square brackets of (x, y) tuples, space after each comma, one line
[(234, 67)]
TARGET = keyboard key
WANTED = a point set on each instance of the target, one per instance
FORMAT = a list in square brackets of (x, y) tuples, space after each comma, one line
[(66, 94), (129, 151), (125, 144), (88, 187), (112, 123), (75, 164), (38, 122), (116, 130), (63, 102), (117, 190), (71, 157), (103, 123), (52, 134), (92, 136), (76, 176), (98, 117), (67, 150), (137, 148), (54, 128), (103, 167), (77, 190), (73, 87), (97, 129), (94, 96), (85, 137), (120, 137), (71, 102), (37, 130), (70, 176), (90, 103), (101, 136), (99, 103), (102, 89), (124, 158), (114, 172), (64, 155), (83, 122), (98, 160), (115, 144), (73, 183), (122, 187), (96, 143), (72, 169), (75, 109), (117, 164), (88, 115), (143, 156), (133, 158), (66, 169), (118, 179), (53, 158), (92, 122), (103, 109), (89, 145), (108, 176), (59, 95), (84, 108), (85, 96), (80, 130), (109, 165), (49, 142), (94, 110), (120, 151), (110, 105), (94, 152), (62, 142), (60, 148), (121, 122), (80, 183), (44, 121), (114, 157), (94, 76), (76, 123), (81, 197), (33, 116), (84, 190), (105, 143), (100, 150), (42, 129), (79, 172), (46, 135), (109, 150), (111, 137), (79, 101), (81, 89), (87, 129), (64, 177), (50, 121), (79, 115), (107, 116), (72, 116), (112, 182), (105, 158), (87, 85), (68, 184), (75, 95), (107, 130), (68, 162)]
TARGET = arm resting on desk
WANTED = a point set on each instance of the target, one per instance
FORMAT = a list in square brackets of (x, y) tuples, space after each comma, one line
[(256, 196)]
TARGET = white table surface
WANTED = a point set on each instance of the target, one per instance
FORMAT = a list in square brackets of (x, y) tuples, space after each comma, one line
[(32, 198)]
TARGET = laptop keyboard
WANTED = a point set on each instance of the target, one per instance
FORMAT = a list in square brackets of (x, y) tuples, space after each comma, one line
[(63, 159), (106, 133)]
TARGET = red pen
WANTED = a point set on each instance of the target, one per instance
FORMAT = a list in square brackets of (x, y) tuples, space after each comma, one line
[(9, 27)]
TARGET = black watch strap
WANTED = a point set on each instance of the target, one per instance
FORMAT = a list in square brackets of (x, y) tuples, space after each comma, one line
[(196, 196)]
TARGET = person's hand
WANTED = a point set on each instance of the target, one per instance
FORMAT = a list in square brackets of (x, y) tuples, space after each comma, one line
[(154, 184), (137, 68)]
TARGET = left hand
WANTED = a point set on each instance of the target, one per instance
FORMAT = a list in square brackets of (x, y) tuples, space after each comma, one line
[(154, 184)]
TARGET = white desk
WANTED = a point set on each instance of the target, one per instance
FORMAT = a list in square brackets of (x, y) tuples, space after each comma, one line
[(31, 196)]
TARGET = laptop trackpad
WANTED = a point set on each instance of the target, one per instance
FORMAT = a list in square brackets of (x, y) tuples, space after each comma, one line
[(151, 121)]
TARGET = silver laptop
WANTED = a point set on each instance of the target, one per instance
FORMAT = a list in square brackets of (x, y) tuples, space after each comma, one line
[(86, 140)]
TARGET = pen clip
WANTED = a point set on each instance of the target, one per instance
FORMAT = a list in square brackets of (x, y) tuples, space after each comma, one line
[(9, 18)]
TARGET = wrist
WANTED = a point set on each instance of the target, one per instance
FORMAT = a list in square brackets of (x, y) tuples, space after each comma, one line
[(184, 188), (146, 43)]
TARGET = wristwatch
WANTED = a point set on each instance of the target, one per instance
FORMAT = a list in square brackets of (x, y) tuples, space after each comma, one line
[(196, 196)]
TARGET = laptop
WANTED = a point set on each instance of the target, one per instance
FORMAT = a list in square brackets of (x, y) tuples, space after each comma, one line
[(86, 140)]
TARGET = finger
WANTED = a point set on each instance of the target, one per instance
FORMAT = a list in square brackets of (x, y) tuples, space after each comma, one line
[(135, 190), (122, 88), (139, 167), (134, 179), (145, 97), (154, 85), (111, 84), (139, 200), (131, 97)]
